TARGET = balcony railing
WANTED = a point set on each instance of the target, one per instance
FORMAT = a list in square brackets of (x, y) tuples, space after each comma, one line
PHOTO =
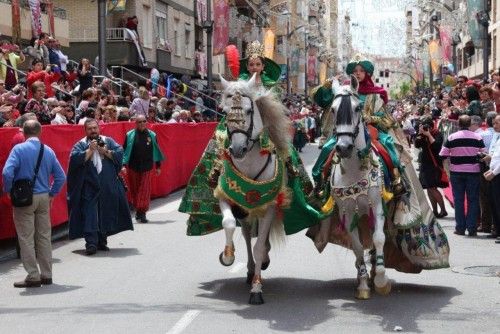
[(91, 34)]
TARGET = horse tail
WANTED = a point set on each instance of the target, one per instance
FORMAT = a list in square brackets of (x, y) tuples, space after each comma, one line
[(277, 236)]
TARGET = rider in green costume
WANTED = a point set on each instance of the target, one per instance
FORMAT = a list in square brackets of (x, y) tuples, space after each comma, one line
[(199, 200), (373, 100)]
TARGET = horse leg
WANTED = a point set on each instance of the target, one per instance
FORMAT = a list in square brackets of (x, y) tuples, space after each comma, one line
[(267, 261), (363, 291), (226, 258), (259, 251), (246, 229), (382, 283)]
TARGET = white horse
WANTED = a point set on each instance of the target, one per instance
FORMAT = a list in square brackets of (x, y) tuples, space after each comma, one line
[(356, 185), (248, 115)]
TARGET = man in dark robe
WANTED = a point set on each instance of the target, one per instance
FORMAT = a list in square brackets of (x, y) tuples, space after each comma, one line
[(97, 204)]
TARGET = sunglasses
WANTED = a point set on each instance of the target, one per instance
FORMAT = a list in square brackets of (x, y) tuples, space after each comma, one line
[(138, 122)]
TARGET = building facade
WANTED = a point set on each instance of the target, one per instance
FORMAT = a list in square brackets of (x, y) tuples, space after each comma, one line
[(170, 33)]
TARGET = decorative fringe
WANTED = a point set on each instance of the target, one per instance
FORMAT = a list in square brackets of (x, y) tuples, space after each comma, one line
[(343, 222), (329, 205), (387, 196), (384, 207), (371, 218), (355, 221)]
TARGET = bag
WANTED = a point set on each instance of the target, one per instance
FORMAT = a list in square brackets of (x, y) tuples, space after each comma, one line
[(21, 194)]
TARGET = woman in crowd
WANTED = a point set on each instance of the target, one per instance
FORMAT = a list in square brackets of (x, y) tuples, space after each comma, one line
[(429, 141), (85, 76), (37, 105), (140, 105), (473, 98)]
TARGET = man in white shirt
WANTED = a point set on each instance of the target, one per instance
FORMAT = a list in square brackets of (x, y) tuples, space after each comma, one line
[(493, 175)]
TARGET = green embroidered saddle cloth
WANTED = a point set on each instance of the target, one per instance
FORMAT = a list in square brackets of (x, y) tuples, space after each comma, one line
[(203, 208)]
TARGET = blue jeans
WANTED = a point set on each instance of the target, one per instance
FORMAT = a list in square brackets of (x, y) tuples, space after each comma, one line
[(466, 184)]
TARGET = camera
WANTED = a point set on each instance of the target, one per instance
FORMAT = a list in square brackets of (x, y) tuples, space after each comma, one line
[(100, 142), (480, 156), (425, 127)]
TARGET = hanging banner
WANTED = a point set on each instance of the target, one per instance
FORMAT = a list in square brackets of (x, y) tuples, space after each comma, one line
[(322, 72), (36, 18), (419, 70), (201, 9), (116, 5), (201, 63), (16, 22), (269, 44), (50, 13), (221, 28), (311, 69), (435, 56), (294, 62), (474, 7), (446, 41)]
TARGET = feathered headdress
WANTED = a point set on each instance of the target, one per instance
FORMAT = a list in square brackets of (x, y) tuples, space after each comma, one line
[(233, 60)]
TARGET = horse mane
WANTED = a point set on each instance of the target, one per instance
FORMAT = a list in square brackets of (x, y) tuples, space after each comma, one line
[(275, 120)]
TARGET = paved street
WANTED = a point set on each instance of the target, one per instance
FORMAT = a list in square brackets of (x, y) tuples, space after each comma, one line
[(157, 280)]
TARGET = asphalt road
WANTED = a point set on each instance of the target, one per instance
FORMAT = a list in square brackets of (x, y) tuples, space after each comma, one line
[(157, 280)]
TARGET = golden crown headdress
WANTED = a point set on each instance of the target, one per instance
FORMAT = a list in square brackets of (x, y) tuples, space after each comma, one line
[(254, 50)]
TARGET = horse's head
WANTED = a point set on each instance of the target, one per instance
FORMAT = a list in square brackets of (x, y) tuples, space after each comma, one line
[(346, 107), (243, 120)]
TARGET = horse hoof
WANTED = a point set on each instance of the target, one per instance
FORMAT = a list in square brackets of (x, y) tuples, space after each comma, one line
[(256, 298), (385, 290), (363, 294), (250, 277), (265, 265), (228, 261)]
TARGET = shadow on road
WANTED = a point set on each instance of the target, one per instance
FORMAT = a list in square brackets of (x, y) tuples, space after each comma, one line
[(113, 252), (158, 222), (49, 290), (294, 305)]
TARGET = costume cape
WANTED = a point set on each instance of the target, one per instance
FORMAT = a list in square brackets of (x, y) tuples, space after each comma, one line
[(157, 154), (203, 207), (96, 201)]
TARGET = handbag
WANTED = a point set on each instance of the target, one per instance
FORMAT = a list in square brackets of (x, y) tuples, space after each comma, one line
[(443, 178), (21, 194)]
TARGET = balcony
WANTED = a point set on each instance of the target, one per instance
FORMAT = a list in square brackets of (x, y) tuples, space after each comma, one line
[(61, 23)]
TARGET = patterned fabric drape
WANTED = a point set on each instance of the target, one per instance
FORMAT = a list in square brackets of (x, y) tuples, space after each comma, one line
[(435, 56), (116, 5), (269, 44), (50, 14), (36, 17), (221, 29), (445, 37), (16, 22), (311, 68), (201, 63), (475, 29), (201, 9)]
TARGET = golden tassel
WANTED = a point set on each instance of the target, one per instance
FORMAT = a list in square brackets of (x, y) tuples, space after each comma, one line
[(328, 207), (386, 195)]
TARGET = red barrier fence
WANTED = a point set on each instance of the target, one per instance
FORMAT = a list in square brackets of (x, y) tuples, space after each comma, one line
[(182, 144)]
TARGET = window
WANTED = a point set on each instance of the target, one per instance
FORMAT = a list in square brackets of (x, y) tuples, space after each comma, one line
[(188, 43), (161, 25), (387, 85), (177, 38), (147, 27), (381, 74)]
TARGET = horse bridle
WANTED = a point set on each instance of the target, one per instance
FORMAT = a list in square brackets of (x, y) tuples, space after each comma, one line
[(249, 131), (355, 133)]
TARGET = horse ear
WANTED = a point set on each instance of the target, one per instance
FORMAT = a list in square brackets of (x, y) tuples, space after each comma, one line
[(223, 82), (252, 80), (354, 83), (335, 86)]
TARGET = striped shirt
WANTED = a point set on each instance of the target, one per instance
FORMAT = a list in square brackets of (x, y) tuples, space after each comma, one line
[(462, 148)]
